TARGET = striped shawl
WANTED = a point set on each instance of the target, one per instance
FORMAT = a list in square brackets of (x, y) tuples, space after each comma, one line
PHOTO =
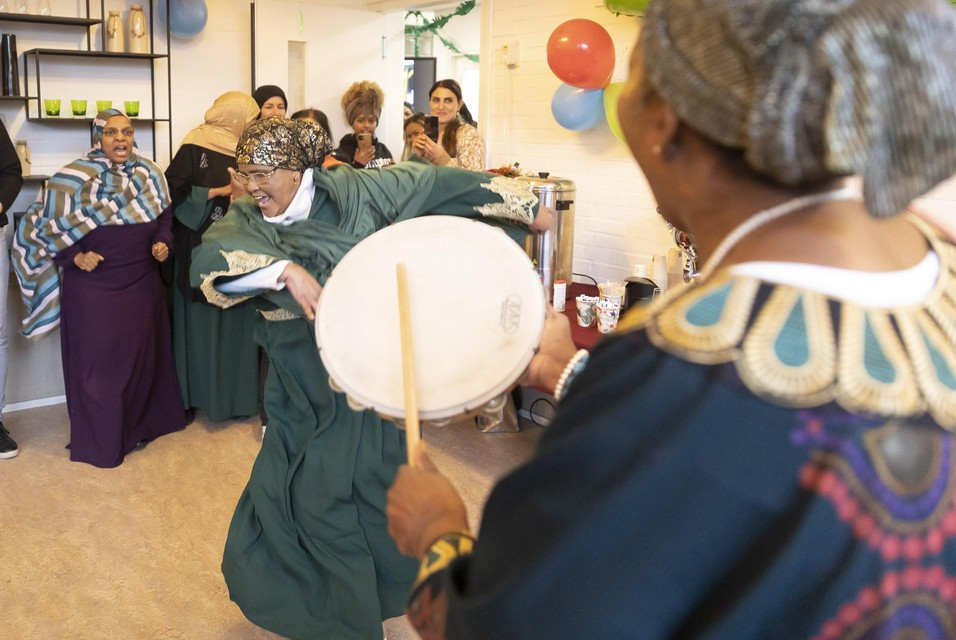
[(82, 196)]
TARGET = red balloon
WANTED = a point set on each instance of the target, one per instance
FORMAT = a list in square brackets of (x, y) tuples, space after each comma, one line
[(581, 54)]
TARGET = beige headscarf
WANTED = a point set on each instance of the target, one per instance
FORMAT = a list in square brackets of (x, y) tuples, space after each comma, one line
[(815, 89), (225, 121)]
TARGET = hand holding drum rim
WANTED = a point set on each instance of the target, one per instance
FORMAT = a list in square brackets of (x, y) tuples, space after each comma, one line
[(554, 352)]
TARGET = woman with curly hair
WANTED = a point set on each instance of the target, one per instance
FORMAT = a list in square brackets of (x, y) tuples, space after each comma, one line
[(362, 104)]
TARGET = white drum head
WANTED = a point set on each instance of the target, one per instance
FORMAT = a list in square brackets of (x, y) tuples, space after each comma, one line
[(477, 313)]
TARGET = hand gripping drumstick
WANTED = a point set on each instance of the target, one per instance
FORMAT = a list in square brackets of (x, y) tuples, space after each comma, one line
[(412, 434)]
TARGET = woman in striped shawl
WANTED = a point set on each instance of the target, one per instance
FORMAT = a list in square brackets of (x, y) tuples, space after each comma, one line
[(87, 257)]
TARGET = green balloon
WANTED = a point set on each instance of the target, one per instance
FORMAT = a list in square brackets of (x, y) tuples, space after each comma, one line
[(626, 7), (611, 93)]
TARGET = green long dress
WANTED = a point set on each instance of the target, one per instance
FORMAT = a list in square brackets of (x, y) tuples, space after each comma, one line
[(216, 360), (308, 553)]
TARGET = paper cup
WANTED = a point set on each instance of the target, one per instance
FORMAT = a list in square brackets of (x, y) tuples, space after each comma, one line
[(586, 310), (607, 317), (611, 300)]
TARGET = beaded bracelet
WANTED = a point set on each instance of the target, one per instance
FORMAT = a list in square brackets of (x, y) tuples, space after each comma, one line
[(575, 366)]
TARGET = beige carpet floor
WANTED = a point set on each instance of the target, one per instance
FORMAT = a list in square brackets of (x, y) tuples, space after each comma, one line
[(134, 552)]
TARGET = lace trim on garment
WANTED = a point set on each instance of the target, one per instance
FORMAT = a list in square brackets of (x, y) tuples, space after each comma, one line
[(238, 263), (518, 201), (801, 348), (278, 315)]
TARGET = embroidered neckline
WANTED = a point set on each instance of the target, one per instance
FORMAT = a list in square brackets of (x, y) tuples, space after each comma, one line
[(782, 340)]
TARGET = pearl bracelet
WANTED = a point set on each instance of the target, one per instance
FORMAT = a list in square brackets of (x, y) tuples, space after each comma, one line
[(575, 366)]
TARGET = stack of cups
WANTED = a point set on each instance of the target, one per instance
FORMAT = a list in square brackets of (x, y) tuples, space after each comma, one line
[(609, 305)]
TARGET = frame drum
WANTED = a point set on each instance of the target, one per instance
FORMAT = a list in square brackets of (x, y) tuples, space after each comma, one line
[(477, 313)]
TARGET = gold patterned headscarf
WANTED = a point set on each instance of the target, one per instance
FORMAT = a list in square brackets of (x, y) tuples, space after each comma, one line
[(814, 89), (288, 144), (224, 121)]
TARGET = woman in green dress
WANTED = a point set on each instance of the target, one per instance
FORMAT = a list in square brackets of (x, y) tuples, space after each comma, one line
[(216, 360), (308, 553)]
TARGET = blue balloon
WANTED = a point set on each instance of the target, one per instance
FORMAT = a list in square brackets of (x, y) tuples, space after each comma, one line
[(577, 109), (186, 17)]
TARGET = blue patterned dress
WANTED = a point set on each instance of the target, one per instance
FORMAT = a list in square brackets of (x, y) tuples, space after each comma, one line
[(750, 460)]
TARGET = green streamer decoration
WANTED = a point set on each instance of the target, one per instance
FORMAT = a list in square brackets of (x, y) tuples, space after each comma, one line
[(433, 26), (301, 18)]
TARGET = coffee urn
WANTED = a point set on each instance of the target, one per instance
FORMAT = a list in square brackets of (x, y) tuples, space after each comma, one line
[(553, 251)]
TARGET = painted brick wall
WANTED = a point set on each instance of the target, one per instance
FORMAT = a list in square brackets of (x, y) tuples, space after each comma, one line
[(616, 224)]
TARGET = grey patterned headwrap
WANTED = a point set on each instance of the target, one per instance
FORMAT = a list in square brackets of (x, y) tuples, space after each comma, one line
[(287, 144), (813, 89)]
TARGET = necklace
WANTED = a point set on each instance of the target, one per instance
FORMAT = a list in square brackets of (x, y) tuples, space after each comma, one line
[(766, 216)]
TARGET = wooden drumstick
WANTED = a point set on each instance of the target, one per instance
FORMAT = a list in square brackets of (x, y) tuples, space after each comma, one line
[(412, 433)]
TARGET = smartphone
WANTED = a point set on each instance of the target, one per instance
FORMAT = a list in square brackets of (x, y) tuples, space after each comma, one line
[(364, 140), (431, 127)]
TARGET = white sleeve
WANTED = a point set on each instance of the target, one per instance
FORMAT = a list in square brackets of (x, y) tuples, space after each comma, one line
[(265, 278)]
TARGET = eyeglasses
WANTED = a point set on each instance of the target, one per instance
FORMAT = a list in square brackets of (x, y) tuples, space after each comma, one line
[(261, 177)]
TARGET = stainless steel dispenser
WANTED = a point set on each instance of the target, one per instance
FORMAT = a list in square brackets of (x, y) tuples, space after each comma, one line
[(553, 251)]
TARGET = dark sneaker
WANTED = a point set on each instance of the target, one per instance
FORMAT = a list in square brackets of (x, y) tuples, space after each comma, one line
[(8, 448)]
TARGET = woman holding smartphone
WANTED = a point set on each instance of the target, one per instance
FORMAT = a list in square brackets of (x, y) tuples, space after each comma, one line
[(362, 104), (458, 143)]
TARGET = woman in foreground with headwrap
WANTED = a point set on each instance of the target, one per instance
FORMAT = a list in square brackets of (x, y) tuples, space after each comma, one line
[(87, 257), (308, 554), (362, 104), (768, 454), (217, 361)]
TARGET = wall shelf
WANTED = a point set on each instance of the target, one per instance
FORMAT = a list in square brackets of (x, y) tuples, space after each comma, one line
[(50, 20), (35, 59), (77, 53), (68, 119)]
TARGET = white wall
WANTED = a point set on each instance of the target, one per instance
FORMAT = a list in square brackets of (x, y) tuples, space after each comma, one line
[(217, 60)]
